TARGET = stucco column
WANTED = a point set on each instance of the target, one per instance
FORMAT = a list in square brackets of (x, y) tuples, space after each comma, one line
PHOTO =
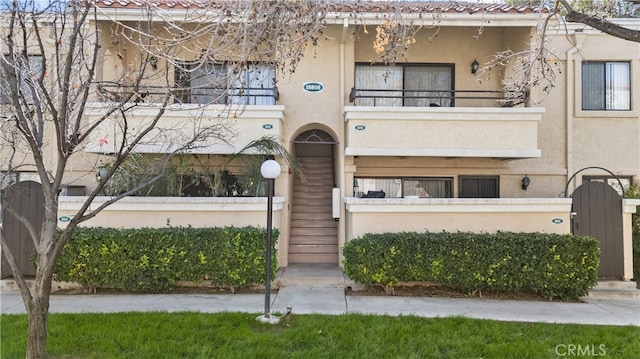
[(629, 207)]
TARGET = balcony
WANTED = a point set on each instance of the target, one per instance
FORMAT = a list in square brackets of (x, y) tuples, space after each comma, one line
[(224, 126), (435, 124)]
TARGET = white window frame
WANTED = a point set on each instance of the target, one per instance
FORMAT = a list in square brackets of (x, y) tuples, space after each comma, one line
[(576, 96), (609, 88), (392, 77), (242, 88)]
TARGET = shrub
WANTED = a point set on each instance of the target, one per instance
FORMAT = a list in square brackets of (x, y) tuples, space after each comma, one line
[(564, 266), (152, 259)]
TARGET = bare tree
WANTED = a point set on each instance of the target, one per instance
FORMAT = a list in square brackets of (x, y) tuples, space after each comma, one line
[(537, 67), (51, 59)]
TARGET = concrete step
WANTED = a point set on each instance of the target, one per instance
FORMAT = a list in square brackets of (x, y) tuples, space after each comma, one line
[(329, 240), (300, 208), (308, 258), (312, 198), (313, 202), (312, 215), (313, 249), (11, 285), (313, 223), (313, 231), (615, 290), (311, 275)]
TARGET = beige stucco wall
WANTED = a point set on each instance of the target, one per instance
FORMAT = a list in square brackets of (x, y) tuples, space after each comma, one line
[(609, 139), (474, 215), (455, 45), (157, 212)]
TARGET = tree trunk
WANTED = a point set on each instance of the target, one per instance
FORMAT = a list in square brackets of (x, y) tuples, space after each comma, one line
[(38, 303), (38, 314)]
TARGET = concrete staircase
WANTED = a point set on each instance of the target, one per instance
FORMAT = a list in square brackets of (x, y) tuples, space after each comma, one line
[(615, 290), (314, 234)]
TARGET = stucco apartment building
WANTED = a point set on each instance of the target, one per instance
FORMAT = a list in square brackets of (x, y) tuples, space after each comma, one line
[(426, 143)]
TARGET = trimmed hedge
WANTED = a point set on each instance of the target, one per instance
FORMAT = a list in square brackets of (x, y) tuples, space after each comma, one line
[(152, 259), (564, 266)]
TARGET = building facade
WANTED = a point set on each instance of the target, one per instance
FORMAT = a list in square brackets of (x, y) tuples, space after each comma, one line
[(426, 143)]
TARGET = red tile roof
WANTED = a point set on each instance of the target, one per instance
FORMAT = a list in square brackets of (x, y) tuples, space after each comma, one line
[(347, 6)]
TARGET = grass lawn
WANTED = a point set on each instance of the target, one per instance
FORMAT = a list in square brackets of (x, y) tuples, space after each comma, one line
[(239, 335)]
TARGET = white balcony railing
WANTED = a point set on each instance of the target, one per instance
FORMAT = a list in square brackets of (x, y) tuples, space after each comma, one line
[(222, 129), (495, 132)]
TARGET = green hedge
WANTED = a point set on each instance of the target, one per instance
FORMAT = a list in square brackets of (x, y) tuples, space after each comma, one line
[(564, 266), (152, 259)]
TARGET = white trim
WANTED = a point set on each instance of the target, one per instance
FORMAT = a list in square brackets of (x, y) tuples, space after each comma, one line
[(458, 205), (442, 152), (177, 204), (197, 111), (630, 205), (444, 113)]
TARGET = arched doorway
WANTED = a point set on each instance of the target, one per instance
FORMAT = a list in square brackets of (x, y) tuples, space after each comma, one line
[(314, 232)]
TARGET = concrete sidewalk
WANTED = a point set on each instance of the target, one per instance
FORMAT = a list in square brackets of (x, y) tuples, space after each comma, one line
[(314, 290)]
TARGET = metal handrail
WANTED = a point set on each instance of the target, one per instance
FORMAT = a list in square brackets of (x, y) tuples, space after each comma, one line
[(505, 98), (222, 95)]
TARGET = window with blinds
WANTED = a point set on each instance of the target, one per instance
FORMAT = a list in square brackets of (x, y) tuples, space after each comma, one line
[(219, 83), (423, 187), (417, 85), (606, 85)]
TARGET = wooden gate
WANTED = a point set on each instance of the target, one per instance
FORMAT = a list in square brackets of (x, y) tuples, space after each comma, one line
[(27, 200), (598, 213)]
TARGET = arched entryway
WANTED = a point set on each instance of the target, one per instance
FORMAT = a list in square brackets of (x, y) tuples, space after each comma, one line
[(314, 232)]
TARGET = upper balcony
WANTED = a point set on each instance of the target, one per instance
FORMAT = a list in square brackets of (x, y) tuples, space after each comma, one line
[(435, 123), (225, 120)]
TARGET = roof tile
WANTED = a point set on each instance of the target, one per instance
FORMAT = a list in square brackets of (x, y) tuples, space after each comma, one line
[(347, 6)]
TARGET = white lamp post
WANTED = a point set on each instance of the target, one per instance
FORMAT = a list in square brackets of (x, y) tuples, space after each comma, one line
[(270, 170)]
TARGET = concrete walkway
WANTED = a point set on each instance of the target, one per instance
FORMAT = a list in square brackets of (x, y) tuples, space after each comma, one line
[(311, 290)]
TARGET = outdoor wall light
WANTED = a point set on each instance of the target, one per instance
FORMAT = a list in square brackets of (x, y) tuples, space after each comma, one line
[(526, 181), (474, 66)]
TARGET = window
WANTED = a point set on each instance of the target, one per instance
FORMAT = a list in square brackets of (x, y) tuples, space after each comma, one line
[(424, 187), (218, 83), (404, 85), (27, 75), (427, 187), (611, 181), (606, 85), (479, 187)]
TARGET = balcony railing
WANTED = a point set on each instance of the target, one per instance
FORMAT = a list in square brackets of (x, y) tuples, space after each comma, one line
[(110, 91), (436, 98)]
